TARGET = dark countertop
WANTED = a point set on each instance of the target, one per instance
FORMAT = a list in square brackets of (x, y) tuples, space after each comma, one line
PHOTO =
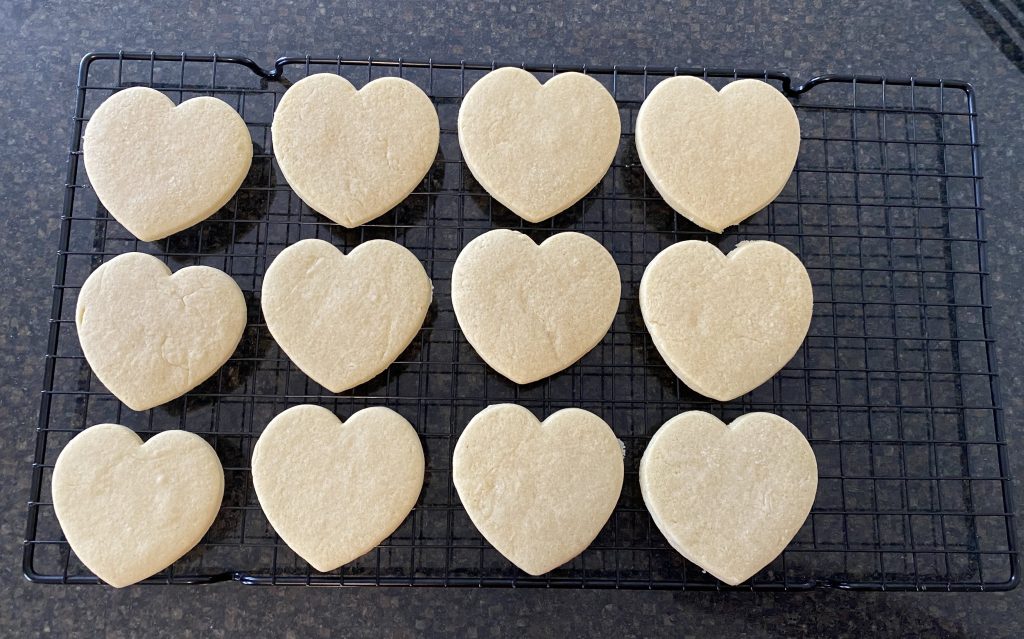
[(43, 43)]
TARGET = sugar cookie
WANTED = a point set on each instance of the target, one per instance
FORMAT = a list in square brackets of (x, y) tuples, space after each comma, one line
[(354, 155), (726, 324), (729, 498), (333, 490), (538, 492), (717, 157), (151, 336), (532, 310), (344, 318), (130, 509), (160, 168), (537, 148)]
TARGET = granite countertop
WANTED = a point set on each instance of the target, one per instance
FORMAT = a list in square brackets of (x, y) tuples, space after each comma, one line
[(969, 40)]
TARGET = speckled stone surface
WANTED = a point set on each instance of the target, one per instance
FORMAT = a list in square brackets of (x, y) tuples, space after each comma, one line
[(43, 42)]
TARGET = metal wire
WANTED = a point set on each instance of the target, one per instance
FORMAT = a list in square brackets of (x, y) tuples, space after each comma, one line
[(895, 386)]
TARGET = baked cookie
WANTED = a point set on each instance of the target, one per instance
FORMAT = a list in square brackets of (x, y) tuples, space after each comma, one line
[(729, 498), (717, 157), (726, 324), (538, 148), (130, 509), (538, 492), (532, 310), (354, 155), (160, 168), (344, 318), (151, 336), (333, 490)]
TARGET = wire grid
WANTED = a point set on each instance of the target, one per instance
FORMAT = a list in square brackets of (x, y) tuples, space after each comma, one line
[(894, 387)]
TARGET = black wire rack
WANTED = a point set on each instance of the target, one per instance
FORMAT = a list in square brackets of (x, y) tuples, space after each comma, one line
[(895, 386)]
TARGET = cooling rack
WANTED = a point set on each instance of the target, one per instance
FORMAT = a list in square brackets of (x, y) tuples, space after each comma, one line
[(895, 386)]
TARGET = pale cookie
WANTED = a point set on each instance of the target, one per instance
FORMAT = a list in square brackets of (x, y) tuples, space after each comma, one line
[(726, 324), (531, 311), (536, 148), (334, 490), (160, 168), (151, 336), (345, 318), (717, 157), (130, 509), (354, 155), (729, 498), (538, 492)]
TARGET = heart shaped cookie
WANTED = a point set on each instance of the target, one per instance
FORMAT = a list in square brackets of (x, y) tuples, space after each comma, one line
[(529, 310), (536, 148), (160, 168), (726, 324), (354, 155), (729, 498), (130, 509), (538, 492), (345, 318), (334, 490), (717, 157), (150, 336)]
